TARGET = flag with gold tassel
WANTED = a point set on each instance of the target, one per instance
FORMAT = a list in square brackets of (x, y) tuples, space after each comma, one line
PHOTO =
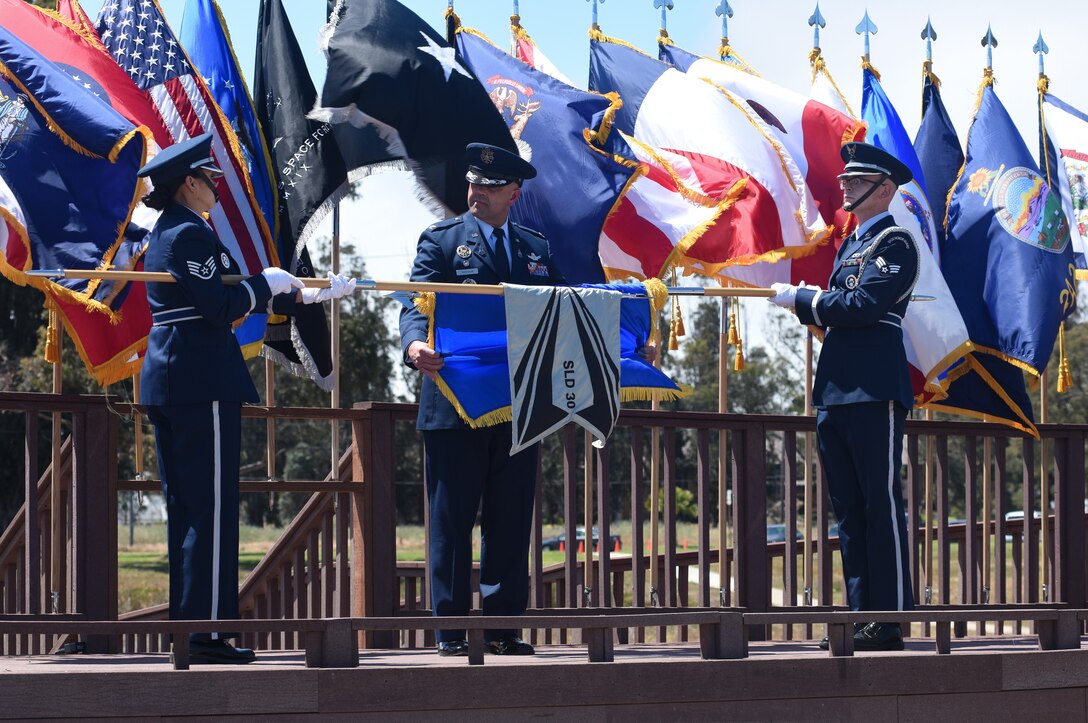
[(1005, 224), (68, 185)]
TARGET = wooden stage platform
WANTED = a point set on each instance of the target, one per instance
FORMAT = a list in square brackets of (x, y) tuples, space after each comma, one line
[(983, 679)]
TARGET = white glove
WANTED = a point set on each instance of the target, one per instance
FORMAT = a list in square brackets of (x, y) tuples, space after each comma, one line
[(339, 287), (280, 281), (785, 295)]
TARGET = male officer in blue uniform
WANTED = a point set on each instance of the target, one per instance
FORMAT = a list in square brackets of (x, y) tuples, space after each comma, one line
[(465, 464), (194, 382), (862, 390)]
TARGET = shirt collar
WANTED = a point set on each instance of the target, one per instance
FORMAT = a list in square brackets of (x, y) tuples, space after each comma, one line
[(488, 230), (864, 228)]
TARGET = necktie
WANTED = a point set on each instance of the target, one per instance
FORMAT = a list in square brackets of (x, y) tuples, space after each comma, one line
[(502, 262)]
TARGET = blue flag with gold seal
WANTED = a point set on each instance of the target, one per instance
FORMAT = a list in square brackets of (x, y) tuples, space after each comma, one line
[(1008, 260), (582, 169), (1008, 244)]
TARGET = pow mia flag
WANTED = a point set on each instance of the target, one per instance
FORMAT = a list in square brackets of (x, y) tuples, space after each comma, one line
[(563, 347)]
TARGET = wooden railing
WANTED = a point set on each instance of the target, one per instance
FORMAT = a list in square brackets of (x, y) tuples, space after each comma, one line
[(53, 560), (338, 558)]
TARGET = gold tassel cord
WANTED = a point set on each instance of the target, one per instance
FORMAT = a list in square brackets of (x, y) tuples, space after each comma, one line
[(734, 335), (734, 313), (866, 65), (52, 335), (1065, 377)]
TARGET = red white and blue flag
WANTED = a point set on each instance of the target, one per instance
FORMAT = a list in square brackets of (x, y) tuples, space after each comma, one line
[(136, 34)]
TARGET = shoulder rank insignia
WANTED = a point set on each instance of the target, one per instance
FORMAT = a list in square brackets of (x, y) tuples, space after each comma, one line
[(464, 251)]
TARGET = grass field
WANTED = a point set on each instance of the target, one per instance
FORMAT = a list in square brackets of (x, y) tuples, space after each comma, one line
[(143, 573)]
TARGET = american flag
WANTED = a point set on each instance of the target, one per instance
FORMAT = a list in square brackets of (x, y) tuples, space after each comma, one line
[(136, 34)]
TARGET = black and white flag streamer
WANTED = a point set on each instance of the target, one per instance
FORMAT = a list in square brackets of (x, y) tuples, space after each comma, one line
[(563, 346)]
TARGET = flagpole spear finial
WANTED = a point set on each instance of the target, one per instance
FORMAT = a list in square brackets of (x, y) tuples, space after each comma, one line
[(595, 26), (1041, 48), (866, 27), (665, 6), (989, 42), (929, 35), (816, 21), (724, 11)]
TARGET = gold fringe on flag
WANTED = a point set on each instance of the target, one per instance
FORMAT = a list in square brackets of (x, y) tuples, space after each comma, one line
[(928, 74)]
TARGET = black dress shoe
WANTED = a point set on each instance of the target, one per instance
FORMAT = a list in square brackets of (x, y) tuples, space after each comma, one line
[(220, 652), (453, 647), (879, 636), (509, 645), (826, 644)]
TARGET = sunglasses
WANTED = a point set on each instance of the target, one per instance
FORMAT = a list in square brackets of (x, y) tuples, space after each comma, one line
[(853, 181)]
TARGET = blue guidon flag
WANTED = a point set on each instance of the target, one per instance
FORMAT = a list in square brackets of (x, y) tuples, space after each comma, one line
[(480, 376), (563, 347)]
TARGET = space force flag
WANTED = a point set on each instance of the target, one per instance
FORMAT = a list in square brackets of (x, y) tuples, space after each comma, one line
[(563, 347)]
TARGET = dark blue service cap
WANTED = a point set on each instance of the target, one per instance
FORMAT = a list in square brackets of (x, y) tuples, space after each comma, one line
[(865, 159), (494, 166), (181, 159)]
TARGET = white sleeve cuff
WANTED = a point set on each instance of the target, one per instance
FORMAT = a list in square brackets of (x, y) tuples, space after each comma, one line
[(815, 314), (252, 297)]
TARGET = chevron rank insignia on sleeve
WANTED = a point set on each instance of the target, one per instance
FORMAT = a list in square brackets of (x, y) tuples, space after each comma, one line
[(202, 271)]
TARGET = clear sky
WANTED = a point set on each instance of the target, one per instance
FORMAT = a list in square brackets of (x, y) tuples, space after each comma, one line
[(772, 35)]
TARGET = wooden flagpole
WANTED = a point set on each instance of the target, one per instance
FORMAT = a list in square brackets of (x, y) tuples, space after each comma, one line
[(56, 506), (372, 284)]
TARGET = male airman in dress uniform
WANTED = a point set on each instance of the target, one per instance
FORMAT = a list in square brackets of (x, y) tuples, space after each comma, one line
[(465, 465), (862, 390), (194, 381)]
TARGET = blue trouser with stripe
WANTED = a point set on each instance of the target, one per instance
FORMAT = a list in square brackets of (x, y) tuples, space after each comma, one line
[(465, 466), (199, 454), (861, 448)]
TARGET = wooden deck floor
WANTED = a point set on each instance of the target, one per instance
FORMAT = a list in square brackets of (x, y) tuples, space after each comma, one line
[(983, 679)]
